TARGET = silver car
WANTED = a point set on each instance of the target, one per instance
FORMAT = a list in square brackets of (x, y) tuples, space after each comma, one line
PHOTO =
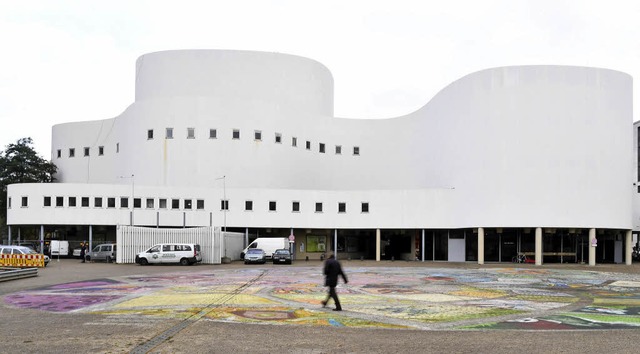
[(105, 252), (255, 255), (21, 250)]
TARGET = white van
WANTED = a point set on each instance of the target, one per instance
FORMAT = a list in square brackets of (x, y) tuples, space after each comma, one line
[(58, 248), (183, 253), (268, 245)]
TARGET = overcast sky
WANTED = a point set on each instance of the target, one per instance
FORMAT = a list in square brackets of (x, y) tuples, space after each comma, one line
[(67, 61)]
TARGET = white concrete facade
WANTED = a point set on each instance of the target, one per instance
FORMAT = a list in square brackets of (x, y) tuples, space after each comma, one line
[(521, 147)]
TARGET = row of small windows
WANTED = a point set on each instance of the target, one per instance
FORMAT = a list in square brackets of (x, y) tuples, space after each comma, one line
[(257, 135), (163, 203), (86, 150)]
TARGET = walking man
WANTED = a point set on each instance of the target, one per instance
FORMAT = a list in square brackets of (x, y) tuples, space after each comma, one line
[(333, 269), (83, 251)]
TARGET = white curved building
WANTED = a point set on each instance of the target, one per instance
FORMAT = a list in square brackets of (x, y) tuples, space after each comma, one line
[(527, 159)]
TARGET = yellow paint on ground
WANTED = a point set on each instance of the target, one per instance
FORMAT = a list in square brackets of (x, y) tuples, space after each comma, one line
[(193, 300)]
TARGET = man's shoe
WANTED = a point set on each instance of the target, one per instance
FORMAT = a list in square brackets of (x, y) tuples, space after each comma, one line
[(338, 309)]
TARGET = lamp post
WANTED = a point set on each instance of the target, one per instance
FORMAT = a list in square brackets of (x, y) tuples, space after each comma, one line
[(225, 204), (132, 200)]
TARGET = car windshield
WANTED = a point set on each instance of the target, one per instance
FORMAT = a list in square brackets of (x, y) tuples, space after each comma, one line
[(27, 250), (282, 252), (255, 250)]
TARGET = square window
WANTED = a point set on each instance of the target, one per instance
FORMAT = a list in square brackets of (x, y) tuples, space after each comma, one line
[(365, 207), (318, 207), (124, 202), (84, 202), (25, 202), (59, 153), (191, 133), (47, 201), (100, 150), (295, 207), (257, 135), (272, 206), (72, 201), (338, 150), (169, 134), (200, 204), (294, 141), (321, 148), (224, 204), (236, 134), (111, 202), (162, 203), (59, 201), (278, 138), (248, 205), (342, 207), (86, 151), (150, 134), (356, 150), (72, 152), (175, 203), (137, 203), (97, 202), (308, 145), (150, 203), (187, 204), (213, 134)]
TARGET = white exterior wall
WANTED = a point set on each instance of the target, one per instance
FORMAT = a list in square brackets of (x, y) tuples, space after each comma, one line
[(528, 146)]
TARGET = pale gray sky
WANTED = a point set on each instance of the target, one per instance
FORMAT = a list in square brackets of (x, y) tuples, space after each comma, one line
[(67, 61)]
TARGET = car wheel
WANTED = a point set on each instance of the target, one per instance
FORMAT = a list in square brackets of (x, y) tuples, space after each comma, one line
[(184, 262), (245, 262), (143, 261), (109, 260)]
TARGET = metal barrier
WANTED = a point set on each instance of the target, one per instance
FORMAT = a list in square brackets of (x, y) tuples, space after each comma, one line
[(21, 260), (7, 274)]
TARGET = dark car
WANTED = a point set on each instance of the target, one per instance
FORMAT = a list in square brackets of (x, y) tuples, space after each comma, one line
[(255, 255), (281, 256)]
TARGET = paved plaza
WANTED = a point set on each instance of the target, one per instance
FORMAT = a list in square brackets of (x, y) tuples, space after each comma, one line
[(161, 305)]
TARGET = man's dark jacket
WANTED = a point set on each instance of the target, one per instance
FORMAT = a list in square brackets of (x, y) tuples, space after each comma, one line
[(332, 270)]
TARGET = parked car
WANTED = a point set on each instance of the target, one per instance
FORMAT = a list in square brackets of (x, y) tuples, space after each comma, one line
[(255, 255), (105, 252), (183, 253), (22, 250), (281, 256)]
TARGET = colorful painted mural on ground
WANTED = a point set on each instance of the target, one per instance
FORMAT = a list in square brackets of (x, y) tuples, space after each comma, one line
[(418, 298)]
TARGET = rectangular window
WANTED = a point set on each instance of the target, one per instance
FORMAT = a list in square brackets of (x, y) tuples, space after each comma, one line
[(117, 148), (213, 134), (187, 204), (295, 207), (318, 207), (100, 150), (365, 207), (200, 204), (97, 202), (111, 202), (294, 141), (162, 203), (72, 152), (25, 202), (356, 150), (137, 203), (278, 138), (72, 201), (224, 204), (338, 150), (86, 151), (342, 207), (85, 202), (321, 148), (151, 203), (236, 134), (59, 153), (191, 133), (47, 201), (59, 201), (248, 205), (272, 206), (150, 134), (175, 203), (124, 202), (257, 135), (308, 145), (169, 134)]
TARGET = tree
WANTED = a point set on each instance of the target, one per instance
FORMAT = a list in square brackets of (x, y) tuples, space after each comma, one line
[(20, 163)]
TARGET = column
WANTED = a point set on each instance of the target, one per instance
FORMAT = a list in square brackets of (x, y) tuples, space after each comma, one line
[(538, 246), (377, 245), (335, 243), (91, 241), (593, 242), (628, 247), (41, 239), (246, 237), (481, 245), (9, 230), (422, 247)]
